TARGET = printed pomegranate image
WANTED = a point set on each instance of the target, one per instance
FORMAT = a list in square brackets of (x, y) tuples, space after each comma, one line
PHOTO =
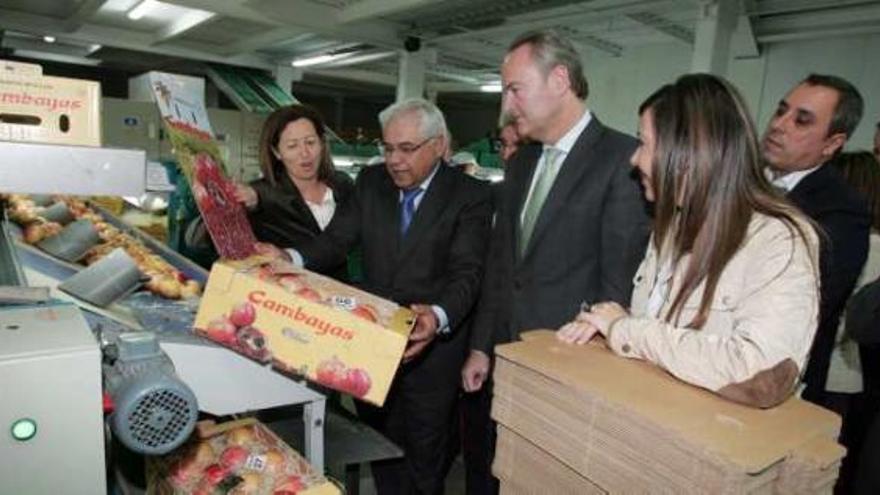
[(357, 382), (335, 374), (221, 330), (243, 314), (252, 343), (310, 294), (291, 282), (366, 312), (331, 372), (224, 217)]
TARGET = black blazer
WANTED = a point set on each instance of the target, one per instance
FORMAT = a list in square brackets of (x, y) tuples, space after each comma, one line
[(439, 261), (844, 219), (587, 243), (282, 217)]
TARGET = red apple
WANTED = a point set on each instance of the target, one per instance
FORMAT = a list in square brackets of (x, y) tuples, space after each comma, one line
[(243, 314)]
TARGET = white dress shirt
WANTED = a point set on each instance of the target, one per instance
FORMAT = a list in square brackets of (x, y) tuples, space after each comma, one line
[(788, 181), (323, 211), (564, 145)]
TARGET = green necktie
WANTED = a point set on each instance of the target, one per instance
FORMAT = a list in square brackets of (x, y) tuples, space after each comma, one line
[(543, 184)]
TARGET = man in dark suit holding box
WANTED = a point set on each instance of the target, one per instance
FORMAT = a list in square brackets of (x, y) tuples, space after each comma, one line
[(423, 228)]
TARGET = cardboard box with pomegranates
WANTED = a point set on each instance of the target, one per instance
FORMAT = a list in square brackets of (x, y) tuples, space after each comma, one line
[(306, 324), (241, 457)]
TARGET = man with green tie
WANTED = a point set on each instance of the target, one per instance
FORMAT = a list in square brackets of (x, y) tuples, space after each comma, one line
[(571, 224)]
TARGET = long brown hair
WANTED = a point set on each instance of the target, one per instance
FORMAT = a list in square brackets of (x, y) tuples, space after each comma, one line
[(270, 165), (862, 171), (707, 178)]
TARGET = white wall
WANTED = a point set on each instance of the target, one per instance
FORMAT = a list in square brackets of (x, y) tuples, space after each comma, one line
[(619, 84), (853, 58)]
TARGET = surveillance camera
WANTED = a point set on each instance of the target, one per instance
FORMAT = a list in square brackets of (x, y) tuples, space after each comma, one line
[(412, 43)]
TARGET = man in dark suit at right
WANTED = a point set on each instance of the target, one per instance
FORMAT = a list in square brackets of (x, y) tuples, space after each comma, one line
[(810, 126), (571, 224)]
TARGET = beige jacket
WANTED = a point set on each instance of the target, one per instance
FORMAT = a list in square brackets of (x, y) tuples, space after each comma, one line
[(762, 319)]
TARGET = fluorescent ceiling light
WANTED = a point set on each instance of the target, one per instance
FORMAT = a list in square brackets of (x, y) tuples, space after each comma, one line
[(142, 9), (318, 59), (491, 88), (49, 39)]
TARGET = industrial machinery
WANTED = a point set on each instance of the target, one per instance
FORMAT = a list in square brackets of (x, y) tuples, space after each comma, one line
[(153, 411), (51, 351)]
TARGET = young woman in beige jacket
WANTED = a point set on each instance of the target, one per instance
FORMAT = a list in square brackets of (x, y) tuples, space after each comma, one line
[(727, 295)]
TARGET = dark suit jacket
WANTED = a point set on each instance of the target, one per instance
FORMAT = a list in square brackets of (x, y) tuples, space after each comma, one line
[(439, 261), (282, 217), (843, 217), (587, 242)]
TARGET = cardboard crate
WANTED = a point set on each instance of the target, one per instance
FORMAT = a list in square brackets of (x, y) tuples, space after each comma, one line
[(306, 324), (628, 426), (523, 466), (44, 109)]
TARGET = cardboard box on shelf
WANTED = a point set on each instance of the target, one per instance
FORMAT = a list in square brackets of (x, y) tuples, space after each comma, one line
[(45, 109), (628, 426), (306, 324)]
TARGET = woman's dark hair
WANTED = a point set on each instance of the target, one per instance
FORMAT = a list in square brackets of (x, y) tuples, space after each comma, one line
[(707, 179), (861, 170), (275, 124)]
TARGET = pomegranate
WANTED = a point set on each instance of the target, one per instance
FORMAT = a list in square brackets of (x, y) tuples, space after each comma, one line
[(214, 474), (234, 457), (290, 485), (243, 436)]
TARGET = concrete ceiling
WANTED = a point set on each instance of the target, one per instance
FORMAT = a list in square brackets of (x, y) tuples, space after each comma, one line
[(468, 36)]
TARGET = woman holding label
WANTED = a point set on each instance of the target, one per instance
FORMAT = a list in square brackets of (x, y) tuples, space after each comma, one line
[(300, 190)]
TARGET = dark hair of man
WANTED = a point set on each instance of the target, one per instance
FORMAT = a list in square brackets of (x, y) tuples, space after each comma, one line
[(550, 50), (707, 156), (275, 124), (850, 105), (862, 172)]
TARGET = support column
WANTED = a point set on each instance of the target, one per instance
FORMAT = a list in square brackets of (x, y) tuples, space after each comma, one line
[(714, 31), (411, 75), (286, 75)]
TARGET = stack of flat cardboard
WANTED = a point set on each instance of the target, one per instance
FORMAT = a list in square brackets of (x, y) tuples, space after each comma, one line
[(578, 419)]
